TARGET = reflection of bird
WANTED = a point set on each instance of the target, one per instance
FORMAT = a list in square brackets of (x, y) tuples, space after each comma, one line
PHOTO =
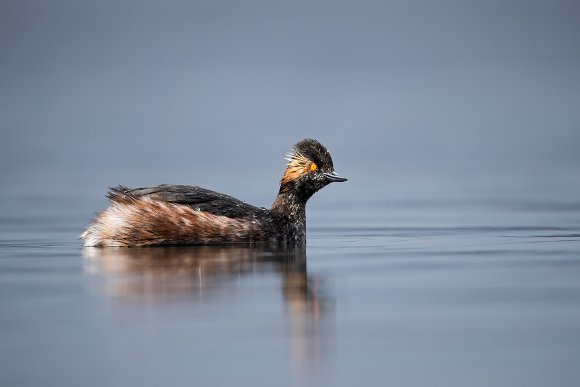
[(155, 276), (157, 273), (177, 214)]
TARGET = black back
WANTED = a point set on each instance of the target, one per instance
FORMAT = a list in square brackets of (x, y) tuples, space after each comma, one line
[(198, 198)]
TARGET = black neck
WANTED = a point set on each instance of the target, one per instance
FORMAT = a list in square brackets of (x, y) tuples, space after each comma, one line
[(289, 204), (298, 191)]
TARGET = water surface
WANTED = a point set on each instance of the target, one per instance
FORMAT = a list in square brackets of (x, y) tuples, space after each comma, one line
[(399, 292), (451, 257)]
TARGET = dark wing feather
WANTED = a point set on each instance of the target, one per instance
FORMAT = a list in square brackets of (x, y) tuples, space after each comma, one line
[(195, 197)]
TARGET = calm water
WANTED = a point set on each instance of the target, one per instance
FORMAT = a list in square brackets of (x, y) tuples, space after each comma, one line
[(450, 258), (401, 292)]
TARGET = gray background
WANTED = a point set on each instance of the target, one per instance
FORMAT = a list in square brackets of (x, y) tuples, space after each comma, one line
[(424, 98), (450, 257)]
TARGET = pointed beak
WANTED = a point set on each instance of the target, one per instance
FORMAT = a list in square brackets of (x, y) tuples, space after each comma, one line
[(334, 177)]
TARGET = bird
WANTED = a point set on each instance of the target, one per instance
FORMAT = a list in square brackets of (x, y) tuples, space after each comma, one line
[(169, 215)]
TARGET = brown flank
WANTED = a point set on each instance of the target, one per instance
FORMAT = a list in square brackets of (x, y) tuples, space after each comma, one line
[(145, 222)]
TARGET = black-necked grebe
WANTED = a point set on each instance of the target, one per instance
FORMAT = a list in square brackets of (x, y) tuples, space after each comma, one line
[(180, 214)]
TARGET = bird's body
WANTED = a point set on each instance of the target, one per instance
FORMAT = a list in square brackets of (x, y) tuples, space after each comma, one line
[(180, 214)]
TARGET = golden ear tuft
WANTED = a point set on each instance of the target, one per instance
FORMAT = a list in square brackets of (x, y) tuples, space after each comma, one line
[(313, 167)]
